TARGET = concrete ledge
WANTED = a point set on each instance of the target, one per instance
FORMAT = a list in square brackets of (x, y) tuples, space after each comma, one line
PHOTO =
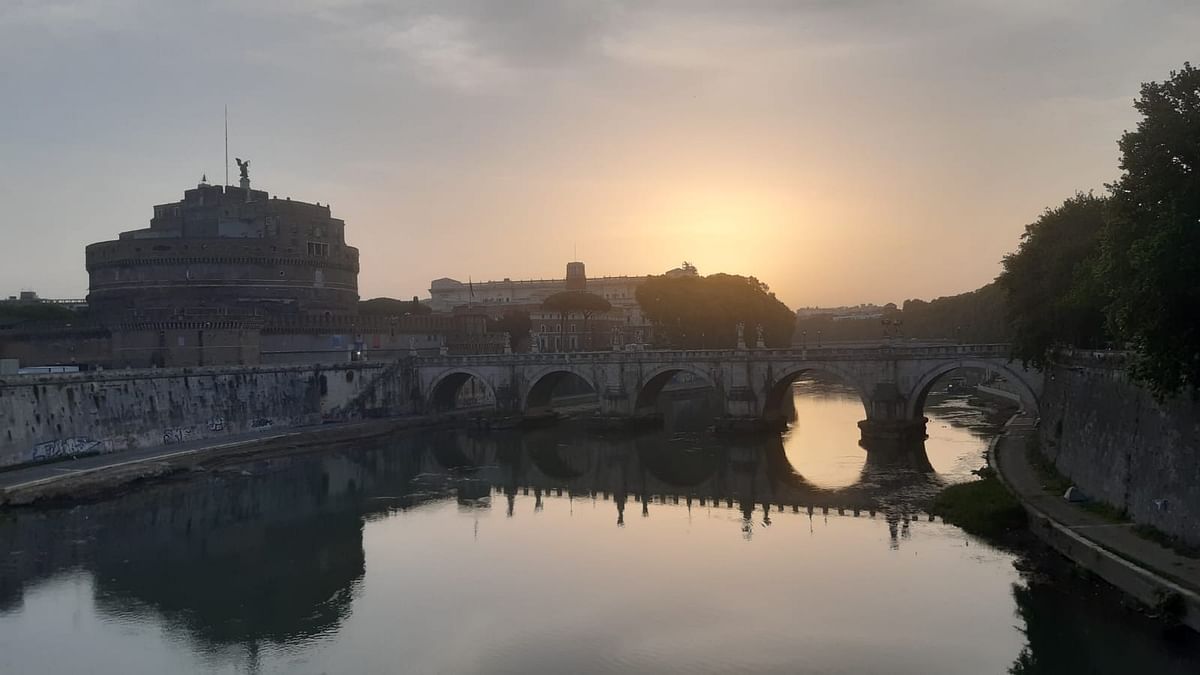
[(100, 480), (1138, 581)]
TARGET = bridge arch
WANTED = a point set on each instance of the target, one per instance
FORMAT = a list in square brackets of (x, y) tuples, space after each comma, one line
[(444, 389), (1030, 399), (545, 380), (651, 385), (549, 458), (778, 390)]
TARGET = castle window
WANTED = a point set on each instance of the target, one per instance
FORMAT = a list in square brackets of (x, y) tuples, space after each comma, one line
[(318, 249)]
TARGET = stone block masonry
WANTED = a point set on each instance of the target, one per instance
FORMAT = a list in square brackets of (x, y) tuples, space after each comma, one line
[(1116, 443), (50, 417)]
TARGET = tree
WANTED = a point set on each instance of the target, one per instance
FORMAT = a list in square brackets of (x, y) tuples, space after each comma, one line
[(1150, 253), (391, 307), (17, 312), (514, 322), (694, 312), (1050, 292), (583, 302)]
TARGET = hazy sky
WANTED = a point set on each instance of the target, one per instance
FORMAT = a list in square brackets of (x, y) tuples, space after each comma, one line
[(842, 151)]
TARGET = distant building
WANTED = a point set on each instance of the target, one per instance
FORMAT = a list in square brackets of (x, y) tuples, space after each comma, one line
[(494, 297), (230, 251), (29, 297), (229, 276), (844, 313)]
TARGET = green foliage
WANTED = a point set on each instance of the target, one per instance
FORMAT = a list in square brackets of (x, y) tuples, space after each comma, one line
[(984, 507), (976, 316), (1049, 284), (576, 301), (514, 322), (694, 312), (1151, 249), (1151, 533), (391, 307), (16, 312), (1052, 481)]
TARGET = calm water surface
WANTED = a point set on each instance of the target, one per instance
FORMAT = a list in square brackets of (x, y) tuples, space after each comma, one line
[(560, 552)]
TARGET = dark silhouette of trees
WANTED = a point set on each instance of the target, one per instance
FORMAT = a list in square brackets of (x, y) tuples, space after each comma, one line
[(976, 316), (18, 312), (517, 324), (583, 302), (694, 312), (392, 307), (1150, 256), (1051, 292)]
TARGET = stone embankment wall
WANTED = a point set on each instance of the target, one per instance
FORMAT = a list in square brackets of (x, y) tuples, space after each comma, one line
[(1116, 443), (49, 417)]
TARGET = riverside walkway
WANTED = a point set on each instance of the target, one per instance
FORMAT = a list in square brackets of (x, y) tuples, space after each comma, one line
[(21, 485), (1112, 550)]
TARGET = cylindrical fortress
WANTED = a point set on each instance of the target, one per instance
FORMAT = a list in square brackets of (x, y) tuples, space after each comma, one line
[(226, 251)]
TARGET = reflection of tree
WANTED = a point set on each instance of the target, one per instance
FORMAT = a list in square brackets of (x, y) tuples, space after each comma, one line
[(1058, 641), (271, 550)]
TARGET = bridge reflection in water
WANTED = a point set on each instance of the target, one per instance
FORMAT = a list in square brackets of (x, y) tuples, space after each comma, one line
[(272, 549), (245, 560)]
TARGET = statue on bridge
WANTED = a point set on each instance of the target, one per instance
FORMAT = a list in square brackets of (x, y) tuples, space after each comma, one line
[(741, 335), (759, 342)]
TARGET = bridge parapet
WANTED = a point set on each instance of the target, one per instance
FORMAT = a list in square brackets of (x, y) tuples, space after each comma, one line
[(883, 352), (892, 379)]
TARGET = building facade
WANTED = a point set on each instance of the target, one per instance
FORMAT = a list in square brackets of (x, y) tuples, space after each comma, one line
[(229, 250), (623, 326)]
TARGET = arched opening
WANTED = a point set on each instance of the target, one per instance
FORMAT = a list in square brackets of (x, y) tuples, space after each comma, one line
[(810, 383), (461, 390), (686, 399), (964, 405), (986, 379), (561, 391), (819, 412)]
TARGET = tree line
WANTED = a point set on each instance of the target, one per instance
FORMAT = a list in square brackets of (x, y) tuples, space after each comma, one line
[(1123, 268), (975, 316)]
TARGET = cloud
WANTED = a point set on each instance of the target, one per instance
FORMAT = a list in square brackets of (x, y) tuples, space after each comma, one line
[(63, 17), (442, 50)]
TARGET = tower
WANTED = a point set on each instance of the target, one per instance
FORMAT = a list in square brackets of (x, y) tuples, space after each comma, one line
[(576, 277)]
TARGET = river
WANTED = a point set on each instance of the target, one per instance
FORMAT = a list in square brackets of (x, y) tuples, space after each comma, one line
[(559, 551)]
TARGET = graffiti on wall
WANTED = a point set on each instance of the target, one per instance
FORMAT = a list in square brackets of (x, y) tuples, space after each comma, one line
[(216, 424), (261, 423), (66, 447), (176, 435)]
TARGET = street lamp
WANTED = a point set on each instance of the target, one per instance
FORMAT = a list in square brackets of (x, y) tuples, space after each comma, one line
[(818, 338)]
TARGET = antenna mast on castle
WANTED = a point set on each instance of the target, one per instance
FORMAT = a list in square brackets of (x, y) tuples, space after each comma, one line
[(226, 144)]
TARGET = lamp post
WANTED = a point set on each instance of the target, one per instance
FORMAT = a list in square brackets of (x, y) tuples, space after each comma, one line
[(818, 338)]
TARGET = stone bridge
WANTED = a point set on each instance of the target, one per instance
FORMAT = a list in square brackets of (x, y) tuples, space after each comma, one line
[(891, 379)]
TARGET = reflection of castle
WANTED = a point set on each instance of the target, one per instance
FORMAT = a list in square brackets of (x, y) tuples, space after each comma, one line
[(273, 553)]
